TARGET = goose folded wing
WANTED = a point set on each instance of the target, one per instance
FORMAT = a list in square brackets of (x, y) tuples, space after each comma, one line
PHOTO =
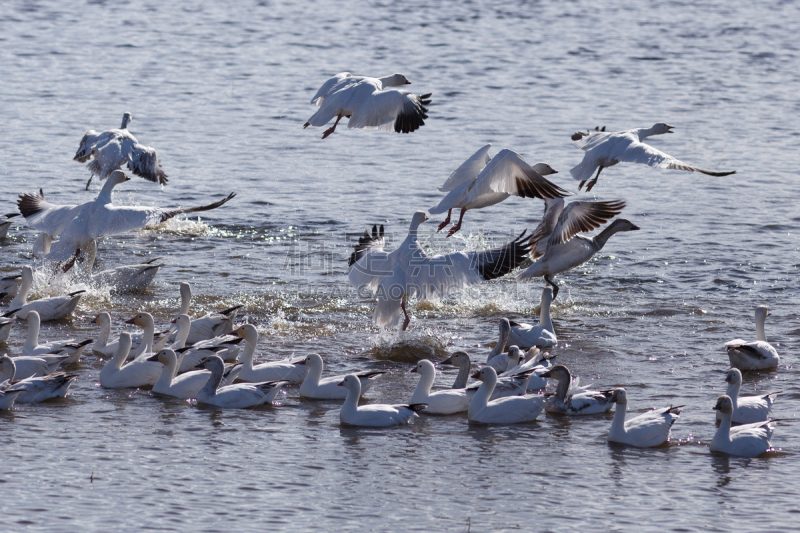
[(509, 173), (390, 110), (469, 169), (331, 85), (583, 217)]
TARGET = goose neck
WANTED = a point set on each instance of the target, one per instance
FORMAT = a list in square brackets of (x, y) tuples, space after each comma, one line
[(462, 378), (32, 340), (423, 389), (601, 238), (760, 335), (618, 425)]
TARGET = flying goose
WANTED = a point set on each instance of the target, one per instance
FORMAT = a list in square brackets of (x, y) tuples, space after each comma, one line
[(607, 149), (369, 103), (482, 181), (113, 148)]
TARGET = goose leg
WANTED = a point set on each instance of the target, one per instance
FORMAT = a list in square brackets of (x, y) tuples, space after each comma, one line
[(446, 221), (408, 319), (550, 282), (89, 182), (592, 183), (332, 128), (458, 224)]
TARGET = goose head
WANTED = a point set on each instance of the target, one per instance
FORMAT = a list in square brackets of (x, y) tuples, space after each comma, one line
[(351, 382), (7, 368), (142, 320), (762, 312), (182, 321), (312, 361), (34, 321), (486, 374), (619, 396), (424, 368), (505, 331), (623, 224), (459, 359), (248, 332), (559, 372), (418, 218), (27, 276), (166, 357), (514, 355), (543, 169), (724, 404), (734, 376), (213, 363), (660, 128), (117, 177), (102, 319), (394, 80), (126, 118)]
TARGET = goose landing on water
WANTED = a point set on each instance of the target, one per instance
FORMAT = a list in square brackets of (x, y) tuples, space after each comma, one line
[(607, 149), (368, 103), (113, 148)]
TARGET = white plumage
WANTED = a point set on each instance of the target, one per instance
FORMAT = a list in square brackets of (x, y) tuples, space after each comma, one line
[(32, 346), (757, 355), (33, 389), (315, 387), (287, 369), (482, 181), (749, 440), (138, 373), (510, 410), (644, 431), (607, 149), (208, 326), (368, 103), (542, 335), (409, 272), (113, 148), (53, 308), (238, 396), (107, 347), (186, 385), (28, 366), (443, 402), (505, 386), (746, 409), (374, 415), (568, 401)]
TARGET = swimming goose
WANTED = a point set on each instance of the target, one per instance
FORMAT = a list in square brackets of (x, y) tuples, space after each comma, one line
[(208, 326), (10, 285), (543, 335), (504, 361), (369, 104), (106, 347), (113, 148), (746, 409), (6, 323), (534, 365), (644, 431), (443, 402), (506, 386), (5, 224), (375, 415), (328, 389), (607, 149), (187, 384), (146, 345), (32, 346), (482, 181), (585, 402), (53, 308), (138, 373), (287, 369), (98, 218), (28, 366), (33, 389), (756, 355), (748, 440), (409, 271), (238, 396), (510, 410), (224, 346), (120, 280), (567, 250)]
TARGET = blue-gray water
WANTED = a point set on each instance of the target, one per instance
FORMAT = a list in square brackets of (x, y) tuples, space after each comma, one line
[(221, 91)]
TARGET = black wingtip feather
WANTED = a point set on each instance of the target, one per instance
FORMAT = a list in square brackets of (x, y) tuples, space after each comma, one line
[(365, 242), (30, 204), (498, 262)]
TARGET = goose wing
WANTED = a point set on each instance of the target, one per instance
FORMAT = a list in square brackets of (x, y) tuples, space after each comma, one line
[(144, 162), (642, 153), (332, 85), (582, 217), (390, 110), (469, 169), (509, 173), (44, 216), (553, 207)]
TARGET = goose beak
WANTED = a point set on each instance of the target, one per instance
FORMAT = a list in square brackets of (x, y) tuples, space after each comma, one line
[(200, 365), (768, 313), (173, 321), (670, 128), (634, 227), (545, 375), (448, 361), (476, 375), (302, 362), (234, 332), (340, 384), (153, 358), (414, 370), (407, 83), (131, 321)]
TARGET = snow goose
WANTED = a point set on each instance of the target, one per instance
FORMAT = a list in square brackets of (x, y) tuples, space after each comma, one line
[(315, 387), (7, 398), (369, 104), (409, 271), (497, 354), (443, 402), (757, 355), (482, 181), (746, 409), (535, 364), (6, 323), (238, 396), (567, 250), (100, 217), (10, 285), (187, 384), (607, 149), (644, 431), (113, 148), (543, 335), (748, 440), (375, 415), (49, 219), (506, 386), (34, 389), (224, 346), (32, 346), (510, 410), (120, 280), (104, 346), (287, 369), (504, 361), (28, 366), (53, 308), (208, 326), (5, 224), (583, 402), (138, 373)]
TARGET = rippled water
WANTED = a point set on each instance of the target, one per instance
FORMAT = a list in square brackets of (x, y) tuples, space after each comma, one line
[(222, 92)]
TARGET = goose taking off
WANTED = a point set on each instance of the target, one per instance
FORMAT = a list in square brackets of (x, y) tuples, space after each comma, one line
[(756, 355), (607, 149), (98, 218), (409, 272), (369, 104), (113, 148), (566, 249), (482, 181)]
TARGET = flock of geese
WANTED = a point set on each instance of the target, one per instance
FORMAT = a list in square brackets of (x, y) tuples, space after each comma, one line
[(211, 359)]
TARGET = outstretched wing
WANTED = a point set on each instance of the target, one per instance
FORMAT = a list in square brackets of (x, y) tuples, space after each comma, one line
[(583, 217), (390, 110), (553, 208), (144, 162), (469, 169), (86, 148), (332, 84), (44, 216), (509, 173), (642, 153)]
